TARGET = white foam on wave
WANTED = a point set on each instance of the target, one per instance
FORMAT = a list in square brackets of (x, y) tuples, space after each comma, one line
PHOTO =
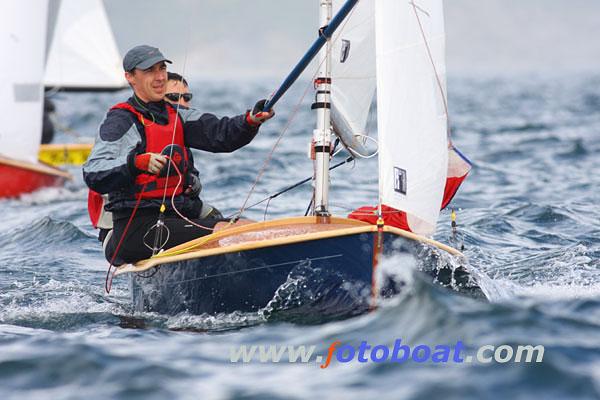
[(211, 323), (572, 274), (550, 292), (52, 195), (13, 330), (55, 298)]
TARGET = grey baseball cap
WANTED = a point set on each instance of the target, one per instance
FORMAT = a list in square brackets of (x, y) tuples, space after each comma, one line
[(142, 57)]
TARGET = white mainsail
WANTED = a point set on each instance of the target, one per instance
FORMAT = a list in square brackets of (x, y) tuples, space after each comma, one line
[(412, 120), (353, 74), (83, 53), (22, 41)]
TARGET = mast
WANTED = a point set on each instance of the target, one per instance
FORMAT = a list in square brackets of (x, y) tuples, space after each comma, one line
[(321, 143)]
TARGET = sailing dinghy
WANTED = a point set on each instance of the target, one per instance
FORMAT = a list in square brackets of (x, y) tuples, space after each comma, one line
[(82, 57), (23, 38), (396, 47)]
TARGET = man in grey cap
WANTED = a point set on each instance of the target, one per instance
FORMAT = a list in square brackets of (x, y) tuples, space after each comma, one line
[(141, 156), (146, 72)]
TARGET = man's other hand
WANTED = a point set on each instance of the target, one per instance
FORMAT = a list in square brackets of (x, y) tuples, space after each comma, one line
[(193, 186), (257, 116)]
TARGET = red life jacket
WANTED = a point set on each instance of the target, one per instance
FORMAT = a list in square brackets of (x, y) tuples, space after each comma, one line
[(157, 138)]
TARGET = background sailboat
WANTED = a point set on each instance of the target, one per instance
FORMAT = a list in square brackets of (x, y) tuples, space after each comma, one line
[(21, 98), (243, 268), (82, 51), (82, 56)]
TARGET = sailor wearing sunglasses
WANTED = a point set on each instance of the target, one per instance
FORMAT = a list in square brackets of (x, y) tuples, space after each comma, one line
[(178, 90)]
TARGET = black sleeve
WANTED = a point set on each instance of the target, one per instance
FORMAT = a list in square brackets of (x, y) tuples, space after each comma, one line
[(191, 167), (217, 135)]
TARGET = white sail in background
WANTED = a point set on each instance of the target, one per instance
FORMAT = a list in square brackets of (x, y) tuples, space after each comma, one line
[(23, 43), (412, 121), (83, 54), (353, 74)]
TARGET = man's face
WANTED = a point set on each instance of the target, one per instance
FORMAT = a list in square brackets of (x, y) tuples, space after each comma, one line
[(176, 86), (149, 84)]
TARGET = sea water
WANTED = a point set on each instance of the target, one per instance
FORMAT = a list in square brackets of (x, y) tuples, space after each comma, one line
[(528, 216)]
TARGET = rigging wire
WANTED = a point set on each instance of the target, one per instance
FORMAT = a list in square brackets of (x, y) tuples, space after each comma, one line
[(270, 155), (295, 185), (437, 76), (442, 93), (329, 48), (185, 57)]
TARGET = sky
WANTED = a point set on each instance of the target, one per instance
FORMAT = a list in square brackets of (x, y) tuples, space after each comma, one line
[(265, 38)]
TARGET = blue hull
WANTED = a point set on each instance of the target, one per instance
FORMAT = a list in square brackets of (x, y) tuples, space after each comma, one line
[(332, 277)]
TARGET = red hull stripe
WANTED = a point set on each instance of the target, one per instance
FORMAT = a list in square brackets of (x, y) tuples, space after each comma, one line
[(15, 181)]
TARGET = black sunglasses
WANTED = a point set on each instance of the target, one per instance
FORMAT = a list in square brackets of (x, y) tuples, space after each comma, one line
[(176, 96)]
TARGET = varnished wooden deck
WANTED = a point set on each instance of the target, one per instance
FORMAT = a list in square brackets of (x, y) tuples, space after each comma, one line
[(270, 234)]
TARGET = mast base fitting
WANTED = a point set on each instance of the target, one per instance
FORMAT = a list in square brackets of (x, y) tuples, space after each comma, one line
[(323, 217)]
